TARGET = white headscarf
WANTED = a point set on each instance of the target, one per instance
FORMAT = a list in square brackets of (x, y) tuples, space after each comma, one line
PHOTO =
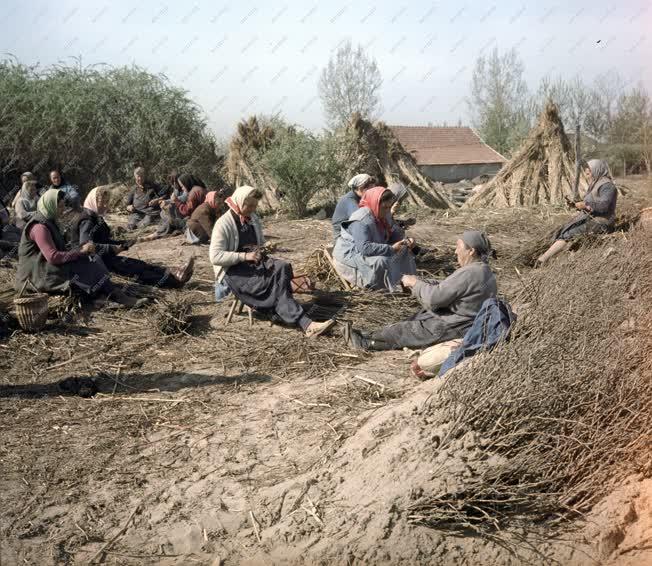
[(359, 180)]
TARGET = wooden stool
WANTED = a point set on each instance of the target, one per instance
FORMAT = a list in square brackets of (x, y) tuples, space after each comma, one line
[(236, 304)]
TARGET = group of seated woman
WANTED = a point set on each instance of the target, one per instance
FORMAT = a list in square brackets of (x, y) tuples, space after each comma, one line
[(184, 206), (371, 251), (83, 261)]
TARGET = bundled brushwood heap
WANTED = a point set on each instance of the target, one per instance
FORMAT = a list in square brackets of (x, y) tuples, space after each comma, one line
[(374, 149), (563, 412), (171, 318), (542, 171), (243, 164)]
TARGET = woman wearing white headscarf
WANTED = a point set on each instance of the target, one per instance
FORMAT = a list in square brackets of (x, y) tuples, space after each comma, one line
[(25, 203), (597, 212), (242, 268)]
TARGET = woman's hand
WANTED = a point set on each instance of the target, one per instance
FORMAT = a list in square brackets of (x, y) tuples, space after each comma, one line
[(88, 248), (580, 205), (154, 202), (130, 208), (254, 257), (409, 281), (398, 246), (410, 242)]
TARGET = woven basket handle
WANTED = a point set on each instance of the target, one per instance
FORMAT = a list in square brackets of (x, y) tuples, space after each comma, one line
[(22, 291)]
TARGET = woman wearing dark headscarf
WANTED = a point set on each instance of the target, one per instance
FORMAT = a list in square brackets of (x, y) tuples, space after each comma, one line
[(372, 251), (44, 260), (449, 306), (597, 212), (70, 192)]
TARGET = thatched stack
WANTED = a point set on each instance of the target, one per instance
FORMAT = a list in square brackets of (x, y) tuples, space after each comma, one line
[(374, 149), (541, 172), (243, 162)]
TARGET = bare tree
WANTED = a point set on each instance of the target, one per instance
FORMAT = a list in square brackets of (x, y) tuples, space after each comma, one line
[(604, 93), (499, 100), (349, 84)]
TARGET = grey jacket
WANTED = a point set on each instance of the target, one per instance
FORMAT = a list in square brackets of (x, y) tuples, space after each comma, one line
[(345, 207), (603, 202), (461, 294)]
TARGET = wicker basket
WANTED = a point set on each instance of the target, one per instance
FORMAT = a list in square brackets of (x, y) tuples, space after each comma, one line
[(31, 310)]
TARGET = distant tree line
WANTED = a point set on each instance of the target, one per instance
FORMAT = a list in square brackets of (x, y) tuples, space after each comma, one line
[(615, 118)]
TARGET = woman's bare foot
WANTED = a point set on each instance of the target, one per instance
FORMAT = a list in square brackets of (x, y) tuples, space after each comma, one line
[(318, 328)]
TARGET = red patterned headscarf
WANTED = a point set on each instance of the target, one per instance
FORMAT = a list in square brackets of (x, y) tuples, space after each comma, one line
[(371, 200)]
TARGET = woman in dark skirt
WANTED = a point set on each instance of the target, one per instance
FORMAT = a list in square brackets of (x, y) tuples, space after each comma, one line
[(597, 212), (241, 268), (91, 227), (44, 260)]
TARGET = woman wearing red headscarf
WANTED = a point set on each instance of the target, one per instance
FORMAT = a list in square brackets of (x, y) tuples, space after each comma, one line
[(372, 250)]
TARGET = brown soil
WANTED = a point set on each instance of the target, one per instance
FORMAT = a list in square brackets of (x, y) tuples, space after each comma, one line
[(254, 445)]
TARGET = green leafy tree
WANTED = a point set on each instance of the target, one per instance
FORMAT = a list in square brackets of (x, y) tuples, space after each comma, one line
[(499, 100)]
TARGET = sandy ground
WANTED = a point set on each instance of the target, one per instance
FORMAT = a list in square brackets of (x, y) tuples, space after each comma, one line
[(185, 459)]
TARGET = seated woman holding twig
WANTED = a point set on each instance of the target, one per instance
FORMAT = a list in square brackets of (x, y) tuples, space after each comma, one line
[(242, 267), (176, 210), (449, 306), (44, 260), (372, 251), (143, 201), (200, 224), (91, 227), (597, 212)]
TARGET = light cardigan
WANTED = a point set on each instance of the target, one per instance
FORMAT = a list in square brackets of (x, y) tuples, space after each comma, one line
[(224, 243)]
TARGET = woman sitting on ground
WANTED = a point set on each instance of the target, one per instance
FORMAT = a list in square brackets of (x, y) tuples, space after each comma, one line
[(241, 267), (44, 260), (179, 207), (203, 218), (91, 227), (143, 201), (72, 199), (25, 203), (449, 306), (597, 212), (372, 251)]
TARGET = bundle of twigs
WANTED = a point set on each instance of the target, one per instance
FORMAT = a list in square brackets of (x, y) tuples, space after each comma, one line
[(243, 161), (374, 149), (171, 317), (566, 405), (318, 268), (542, 171)]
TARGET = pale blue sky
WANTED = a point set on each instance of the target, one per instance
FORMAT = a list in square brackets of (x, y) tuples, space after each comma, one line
[(240, 58)]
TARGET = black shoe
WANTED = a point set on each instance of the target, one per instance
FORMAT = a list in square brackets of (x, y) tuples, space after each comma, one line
[(354, 338)]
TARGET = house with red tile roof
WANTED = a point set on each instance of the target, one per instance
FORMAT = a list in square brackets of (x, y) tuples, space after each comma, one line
[(449, 154)]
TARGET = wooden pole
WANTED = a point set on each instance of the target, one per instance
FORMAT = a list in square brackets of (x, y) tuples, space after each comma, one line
[(576, 185)]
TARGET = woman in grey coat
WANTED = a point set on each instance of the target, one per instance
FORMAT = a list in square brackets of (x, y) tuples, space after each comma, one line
[(372, 250), (597, 212), (449, 306)]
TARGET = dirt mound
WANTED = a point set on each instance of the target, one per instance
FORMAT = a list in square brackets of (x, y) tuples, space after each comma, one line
[(537, 431), (374, 149), (243, 162), (542, 171)]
